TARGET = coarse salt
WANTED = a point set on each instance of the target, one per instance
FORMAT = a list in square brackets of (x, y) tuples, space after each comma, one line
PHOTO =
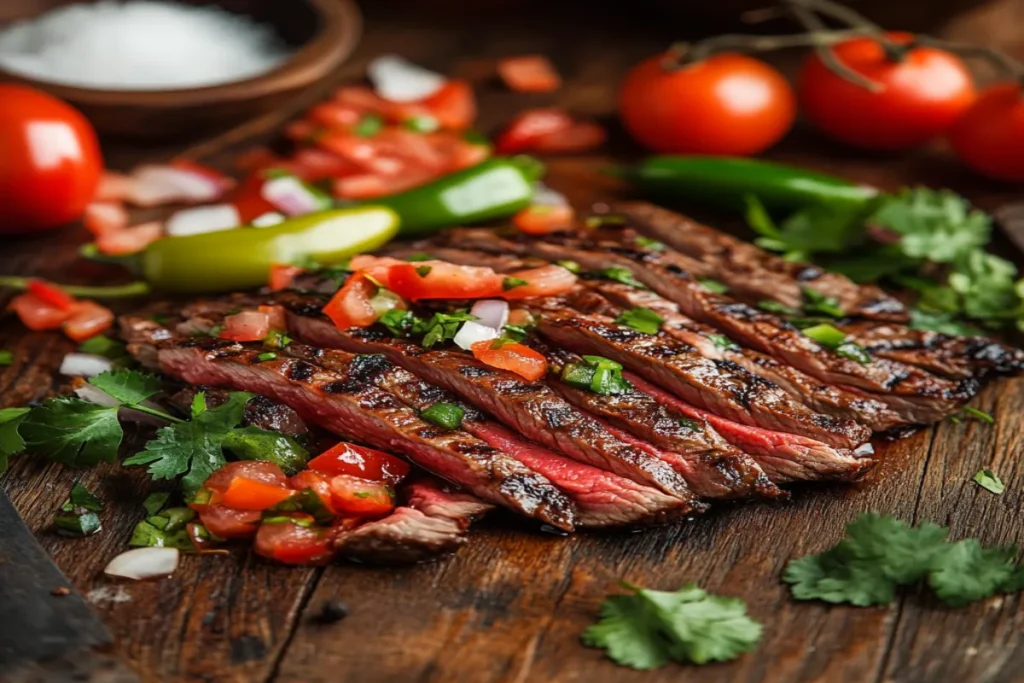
[(139, 45)]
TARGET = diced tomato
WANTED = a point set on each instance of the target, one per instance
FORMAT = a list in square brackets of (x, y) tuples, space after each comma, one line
[(51, 294), (441, 280), (454, 105), (359, 461), (103, 217), (466, 155), (215, 177), (130, 240), (246, 326), (227, 523), (313, 164), (114, 187), (350, 306), (37, 314), (511, 356), (334, 115), (282, 275), (526, 127), (369, 262), (248, 199), (88, 319), (373, 185), (291, 543), (256, 159), (250, 494), (520, 317), (529, 73), (318, 482), (276, 317), (361, 497), (583, 136), (301, 131), (256, 470), (360, 97), (366, 153), (543, 281), (542, 219)]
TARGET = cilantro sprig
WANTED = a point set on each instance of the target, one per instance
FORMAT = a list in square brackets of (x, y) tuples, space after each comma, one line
[(647, 628), (880, 553)]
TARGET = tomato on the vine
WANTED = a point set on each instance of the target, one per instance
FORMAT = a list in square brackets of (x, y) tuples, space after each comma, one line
[(990, 136), (922, 92), (50, 161), (725, 104)]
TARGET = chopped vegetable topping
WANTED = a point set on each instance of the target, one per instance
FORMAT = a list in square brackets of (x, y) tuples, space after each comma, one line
[(834, 339), (447, 415), (511, 282), (648, 243), (571, 266), (722, 342), (623, 275), (775, 307), (368, 126), (816, 302), (6, 357), (77, 516), (713, 285), (399, 322), (641, 319), (597, 374), (441, 327), (990, 481)]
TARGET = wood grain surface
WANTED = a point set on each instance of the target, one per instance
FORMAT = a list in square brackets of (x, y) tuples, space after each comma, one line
[(509, 607)]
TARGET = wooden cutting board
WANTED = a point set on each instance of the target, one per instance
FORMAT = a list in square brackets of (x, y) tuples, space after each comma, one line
[(510, 606)]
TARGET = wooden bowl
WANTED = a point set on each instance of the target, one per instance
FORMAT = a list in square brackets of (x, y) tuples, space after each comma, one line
[(321, 33)]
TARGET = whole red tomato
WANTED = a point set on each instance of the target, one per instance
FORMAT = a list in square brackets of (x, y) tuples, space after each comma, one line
[(726, 104), (50, 161), (990, 136), (922, 94)]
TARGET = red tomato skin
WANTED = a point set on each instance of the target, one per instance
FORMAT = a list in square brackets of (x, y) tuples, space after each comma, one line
[(317, 481), (36, 314), (923, 95), (246, 326), (250, 494), (51, 294), (528, 126), (130, 240), (989, 138), (454, 105), (582, 136), (543, 281), (361, 497), (227, 523), (282, 275), (514, 357), (728, 104), (443, 281), (350, 305), (543, 220), (88, 319), (529, 73), (257, 470), (293, 544), (50, 161), (362, 462)]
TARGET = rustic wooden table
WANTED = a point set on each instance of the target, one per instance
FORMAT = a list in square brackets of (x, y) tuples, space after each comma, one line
[(510, 606)]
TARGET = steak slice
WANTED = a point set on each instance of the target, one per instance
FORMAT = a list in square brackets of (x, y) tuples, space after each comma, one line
[(784, 457), (712, 467), (602, 499), (530, 409), (357, 411), (260, 411), (721, 387), (753, 274), (915, 395)]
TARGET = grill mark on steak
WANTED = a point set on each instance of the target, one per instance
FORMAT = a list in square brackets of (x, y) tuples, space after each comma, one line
[(374, 417), (712, 467), (753, 273), (601, 498), (532, 410), (915, 395)]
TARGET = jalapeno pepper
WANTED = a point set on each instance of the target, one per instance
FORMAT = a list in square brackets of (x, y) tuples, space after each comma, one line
[(724, 182), (496, 188)]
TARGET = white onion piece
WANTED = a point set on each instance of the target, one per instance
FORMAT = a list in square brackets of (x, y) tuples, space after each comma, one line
[(200, 219), (268, 219), (472, 332), (93, 394), (545, 196), (156, 185), (290, 196), (144, 563), (491, 313), (84, 365), (865, 449), (398, 80)]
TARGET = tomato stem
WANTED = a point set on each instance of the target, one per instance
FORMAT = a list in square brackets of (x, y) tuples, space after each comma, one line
[(132, 289)]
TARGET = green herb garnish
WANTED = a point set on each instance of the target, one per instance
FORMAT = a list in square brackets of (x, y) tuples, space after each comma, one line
[(424, 271), (512, 282), (648, 243), (422, 124), (368, 126), (419, 256), (713, 285), (441, 327), (816, 302), (276, 339), (571, 266), (447, 415), (268, 355), (623, 275), (6, 358), (722, 342), (641, 319), (398, 321), (597, 374), (77, 516), (990, 481)]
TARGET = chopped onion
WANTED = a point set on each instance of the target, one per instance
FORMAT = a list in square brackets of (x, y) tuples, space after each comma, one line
[(472, 332), (491, 313), (144, 563), (398, 80), (865, 449), (156, 185), (268, 219), (290, 196), (93, 394), (202, 219), (84, 365), (545, 196)]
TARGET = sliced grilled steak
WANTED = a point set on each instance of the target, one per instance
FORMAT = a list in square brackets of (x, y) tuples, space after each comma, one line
[(712, 467), (601, 498), (355, 410), (721, 387), (916, 396), (260, 411), (435, 499), (784, 457), (752, 273), (531, 409)]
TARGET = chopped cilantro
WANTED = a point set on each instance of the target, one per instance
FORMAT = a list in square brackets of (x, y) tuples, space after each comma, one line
[(775, 307), (398, 321), (104, 346), (424, 271), (368, 126), (267, 355), (6, 358), (77, 516), (571, 266), (422, 124), (276, 339), (990, 481), (648, 243), (722, 342), (514, 332), (441, 327), (692, 425), (816, 302), (713, 285), (641, 319), (623, 275), (512, 282), (419, 256), (11, 442), (647, 628)]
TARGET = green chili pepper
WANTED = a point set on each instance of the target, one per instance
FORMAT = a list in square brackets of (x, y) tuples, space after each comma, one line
[(240, 259), (496, 188), (724, 182)]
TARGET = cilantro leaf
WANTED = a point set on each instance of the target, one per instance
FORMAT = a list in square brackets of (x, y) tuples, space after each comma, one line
[(72, 432), (641, 319), (990, 481), (945, 323), (967, 572), (937, 225), (11, 442), (646, 629), (837, 576), (82, 497), (127, 386), (440, 327)]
